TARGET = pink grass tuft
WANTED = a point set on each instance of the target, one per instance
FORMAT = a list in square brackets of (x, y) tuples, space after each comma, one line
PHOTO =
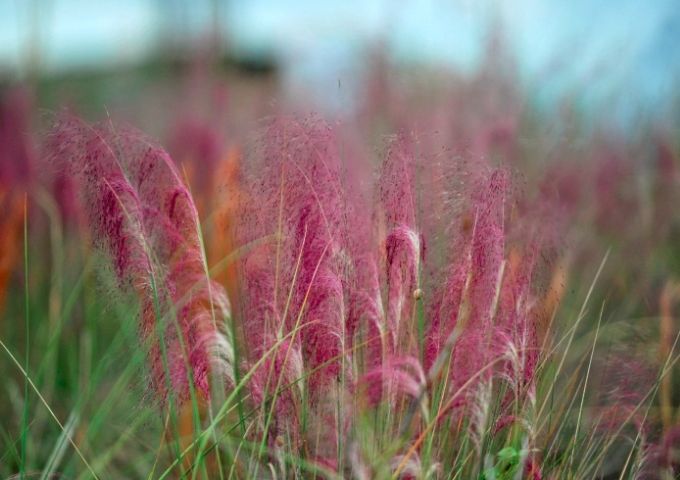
[(143, 216)]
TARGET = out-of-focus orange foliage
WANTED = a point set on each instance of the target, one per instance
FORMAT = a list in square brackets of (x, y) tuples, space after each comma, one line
[(17, 169), (551, 299), (229, 198), (10, 233)]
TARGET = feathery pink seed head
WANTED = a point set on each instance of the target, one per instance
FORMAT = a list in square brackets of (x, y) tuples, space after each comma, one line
[(144, 218), (299, 183), (397, 375), (404, 251)]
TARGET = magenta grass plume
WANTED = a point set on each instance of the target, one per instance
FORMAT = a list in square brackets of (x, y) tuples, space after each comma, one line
[(303, 209), (337, 282), (144, 218)]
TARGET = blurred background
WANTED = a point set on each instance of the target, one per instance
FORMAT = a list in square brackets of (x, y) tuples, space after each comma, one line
[(618, 58)]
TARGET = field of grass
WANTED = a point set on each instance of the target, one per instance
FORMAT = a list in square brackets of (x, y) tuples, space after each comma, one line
[(449, 283)]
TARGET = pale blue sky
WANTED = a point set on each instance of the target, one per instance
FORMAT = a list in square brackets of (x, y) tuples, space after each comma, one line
[(603, 48)]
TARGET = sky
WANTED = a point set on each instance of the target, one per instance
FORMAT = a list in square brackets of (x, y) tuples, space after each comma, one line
[(628, 49)]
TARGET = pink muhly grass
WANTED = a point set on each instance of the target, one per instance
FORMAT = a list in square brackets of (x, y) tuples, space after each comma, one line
[(336, 283), (404, 246), (484, 311), (293, 286), (473, 286), (487, 247), (445, 311), (396, 376), (366, 316), (277, 380), (518, 321), (304, 208), (367, 333), (397, 182), (142, 215), (404, 251)]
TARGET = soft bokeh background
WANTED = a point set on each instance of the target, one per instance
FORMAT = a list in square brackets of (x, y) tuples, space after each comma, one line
[(619, 58)]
